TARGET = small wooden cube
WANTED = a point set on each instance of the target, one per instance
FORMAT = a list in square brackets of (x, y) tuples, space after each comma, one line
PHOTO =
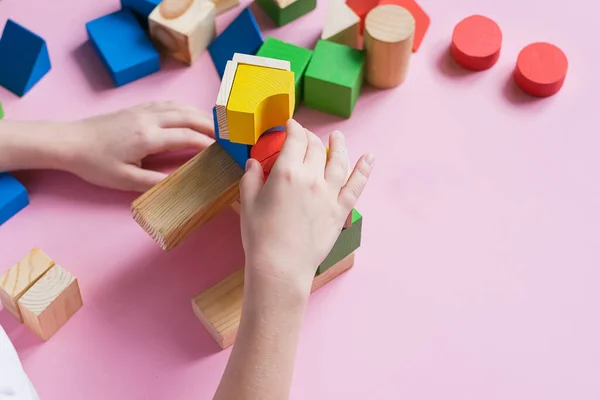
[(20, 277), (283, 12), (50, 302), (186, 35)]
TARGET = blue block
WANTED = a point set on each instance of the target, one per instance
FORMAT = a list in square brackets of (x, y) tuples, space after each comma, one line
[(24, 58), (13, 197), (143, 8), (238, 151), (123, 46), (241, 36)]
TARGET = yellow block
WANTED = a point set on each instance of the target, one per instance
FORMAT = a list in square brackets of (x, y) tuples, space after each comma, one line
[(261, 98)]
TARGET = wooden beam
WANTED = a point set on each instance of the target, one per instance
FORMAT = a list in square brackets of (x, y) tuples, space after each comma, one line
[(189, 197)]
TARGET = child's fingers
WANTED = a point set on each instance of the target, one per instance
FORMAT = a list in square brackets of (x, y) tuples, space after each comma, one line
[(192, 119), (161, 106), (173, 139), (251, 182), (315, 153), (356, 183), (294, 147), (336, 170), (138, 179)]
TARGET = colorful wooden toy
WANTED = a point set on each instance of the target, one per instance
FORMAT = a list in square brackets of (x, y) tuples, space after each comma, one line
[(141, 9), (389, 34), (541, 69), (283, 12), (24, 58), (241, 36), (239, 152), (476, 43), (185, 32), (299, 57), (266, 150), (223, 6), (334, 90), (362, 8), (123, 46), (342, 25), (13, 197), (422, 20)]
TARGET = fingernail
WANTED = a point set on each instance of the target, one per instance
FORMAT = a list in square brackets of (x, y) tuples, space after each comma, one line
[(248, 162), (370, 159)]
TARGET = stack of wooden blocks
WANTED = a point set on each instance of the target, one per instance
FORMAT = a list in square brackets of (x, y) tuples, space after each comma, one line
[(40, 293)]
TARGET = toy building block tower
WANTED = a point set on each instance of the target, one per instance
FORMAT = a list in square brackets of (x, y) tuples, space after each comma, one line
[(24, 58)]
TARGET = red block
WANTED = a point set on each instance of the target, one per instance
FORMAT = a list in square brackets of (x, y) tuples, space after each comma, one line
[(267, 148), (362, 8), (422, 20), (476, 43), (541, 69)]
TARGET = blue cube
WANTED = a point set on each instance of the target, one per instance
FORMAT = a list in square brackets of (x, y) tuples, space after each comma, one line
[(238, 151), (123, 46), (24, 58), (13, 197)]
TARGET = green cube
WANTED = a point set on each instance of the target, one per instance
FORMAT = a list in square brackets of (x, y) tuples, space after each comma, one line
[(334, 78), (298, 57), (1, 111), (347, 242), (282, 16)]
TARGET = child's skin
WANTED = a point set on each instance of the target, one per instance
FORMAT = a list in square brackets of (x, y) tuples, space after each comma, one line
[(289, 224)]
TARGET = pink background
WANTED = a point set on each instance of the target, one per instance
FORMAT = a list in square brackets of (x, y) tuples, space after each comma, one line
[(487, 287)]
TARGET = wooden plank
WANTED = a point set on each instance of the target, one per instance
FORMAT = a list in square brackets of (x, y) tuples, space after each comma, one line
[(20, 277), (189, 197), (51, 302)]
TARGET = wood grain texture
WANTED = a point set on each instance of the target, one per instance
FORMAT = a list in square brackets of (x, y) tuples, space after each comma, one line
[(389, 35), (342, 25), (223, 6), (422, 19), (219, 307), (261, 98), (50, 302), (187, 35), (189, 197), (20, 277)]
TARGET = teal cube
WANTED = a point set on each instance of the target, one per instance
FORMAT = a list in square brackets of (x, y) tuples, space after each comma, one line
[(334, 78)]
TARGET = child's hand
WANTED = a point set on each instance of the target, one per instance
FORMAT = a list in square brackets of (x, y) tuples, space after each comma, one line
[(290, 223), (108, 149)]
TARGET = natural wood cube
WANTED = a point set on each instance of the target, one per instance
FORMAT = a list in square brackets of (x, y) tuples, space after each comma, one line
[(50, 302)]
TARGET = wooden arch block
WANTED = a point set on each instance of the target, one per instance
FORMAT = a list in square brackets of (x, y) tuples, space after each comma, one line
[(185, 32), (342, 25), (261, 98)]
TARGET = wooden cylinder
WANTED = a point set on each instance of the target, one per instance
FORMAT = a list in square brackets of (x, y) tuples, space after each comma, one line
[(388, 42)]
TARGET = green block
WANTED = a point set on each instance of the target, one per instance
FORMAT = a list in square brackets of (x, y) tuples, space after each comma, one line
[(299, 57), (333, 79), (1, 111), (347, 242), (282, 16)]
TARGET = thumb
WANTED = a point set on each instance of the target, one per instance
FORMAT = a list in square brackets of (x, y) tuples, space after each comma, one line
[(139, 179), (251, 182)]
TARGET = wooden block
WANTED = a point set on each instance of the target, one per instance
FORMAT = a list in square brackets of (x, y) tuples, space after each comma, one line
[(541, 69), (389, 35), (422, 20), (362, 8), (282, 12), (123, 46), (267, 148), (223, 6), (299, 57), (189, 197), (334, 90), (347, 242), (143, 8), (239, 152), (13, 197), (476, 43), (342, 25), (24, 58), (227, 83), (50, 302), (237, 206), (241, 36), (261, 98), (20, 277), (219, 308), (186, 34)]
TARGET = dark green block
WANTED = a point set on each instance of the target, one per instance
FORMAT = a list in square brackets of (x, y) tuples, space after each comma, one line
[(282, 16), (347, 242), (334, 78), (299, 57)]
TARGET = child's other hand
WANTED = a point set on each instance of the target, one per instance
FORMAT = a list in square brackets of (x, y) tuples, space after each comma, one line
[(108, 149), (290, 223)]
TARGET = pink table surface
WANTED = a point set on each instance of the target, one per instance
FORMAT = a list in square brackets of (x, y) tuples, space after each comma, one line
[(479, 270)]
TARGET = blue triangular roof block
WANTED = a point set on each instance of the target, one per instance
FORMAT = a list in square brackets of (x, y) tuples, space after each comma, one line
[(24, 58)]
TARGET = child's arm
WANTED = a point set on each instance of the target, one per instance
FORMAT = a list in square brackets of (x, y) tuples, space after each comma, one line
[(289, 225), (106, 150)]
